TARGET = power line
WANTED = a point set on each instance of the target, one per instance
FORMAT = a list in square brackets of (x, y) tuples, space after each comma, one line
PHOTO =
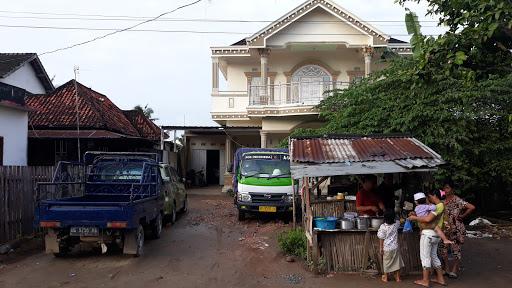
[(186, 31), (122, 30), (87, 17)]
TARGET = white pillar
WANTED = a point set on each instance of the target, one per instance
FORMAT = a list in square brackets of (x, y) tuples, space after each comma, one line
[(215, 75), (263, 136), (264, 75), (367, 53)]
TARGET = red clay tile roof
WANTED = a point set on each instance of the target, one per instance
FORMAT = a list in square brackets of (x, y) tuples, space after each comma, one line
[(144, 126), (57, 110)]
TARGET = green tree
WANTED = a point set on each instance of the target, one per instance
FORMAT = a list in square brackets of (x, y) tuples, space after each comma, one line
[(454, 94), (148, 111)]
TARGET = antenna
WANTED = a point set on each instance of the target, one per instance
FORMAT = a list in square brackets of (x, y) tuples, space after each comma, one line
[(76, 70)]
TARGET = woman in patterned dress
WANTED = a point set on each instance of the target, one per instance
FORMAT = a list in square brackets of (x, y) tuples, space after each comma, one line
[(456, 210)]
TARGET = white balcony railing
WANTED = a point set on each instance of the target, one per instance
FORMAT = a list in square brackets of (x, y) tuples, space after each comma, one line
[(295, 93)]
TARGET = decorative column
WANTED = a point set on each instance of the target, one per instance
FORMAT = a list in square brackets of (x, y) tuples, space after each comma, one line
[(264, 65), (215, 75), (263, 136), (264, 75), (368, 54)]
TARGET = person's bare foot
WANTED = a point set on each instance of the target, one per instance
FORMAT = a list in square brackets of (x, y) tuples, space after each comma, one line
[(384, 278), (439, 282), (397, 279), (422, 283)]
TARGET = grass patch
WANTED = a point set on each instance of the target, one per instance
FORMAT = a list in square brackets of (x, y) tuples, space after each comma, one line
[(293, 242)]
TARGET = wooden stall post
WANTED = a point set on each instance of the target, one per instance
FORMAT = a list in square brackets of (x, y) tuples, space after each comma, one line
[(294, 209)]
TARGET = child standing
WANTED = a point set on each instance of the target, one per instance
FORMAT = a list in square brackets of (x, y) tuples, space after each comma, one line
[(388, 235)]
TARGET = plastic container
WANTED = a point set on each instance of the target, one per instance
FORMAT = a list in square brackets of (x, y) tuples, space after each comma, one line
[(328, 223)]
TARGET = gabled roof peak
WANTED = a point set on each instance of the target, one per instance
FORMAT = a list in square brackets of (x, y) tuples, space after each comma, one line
[(309, 6)]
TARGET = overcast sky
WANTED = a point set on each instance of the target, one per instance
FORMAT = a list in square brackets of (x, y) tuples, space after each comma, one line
[(168, 71)]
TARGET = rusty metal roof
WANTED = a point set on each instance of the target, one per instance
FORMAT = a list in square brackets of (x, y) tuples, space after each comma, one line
[(405, 151)]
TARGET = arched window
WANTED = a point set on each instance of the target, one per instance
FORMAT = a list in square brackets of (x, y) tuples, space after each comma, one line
[(309, 83), (311, 73)]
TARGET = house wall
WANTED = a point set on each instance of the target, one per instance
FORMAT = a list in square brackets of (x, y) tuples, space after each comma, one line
[(25, 77), (199, 145), (14, 130), (284, 60)]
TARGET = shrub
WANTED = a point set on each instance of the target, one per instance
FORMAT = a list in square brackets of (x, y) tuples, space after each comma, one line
[(293, 242)]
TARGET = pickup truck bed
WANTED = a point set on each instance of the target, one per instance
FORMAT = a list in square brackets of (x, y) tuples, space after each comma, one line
[(97, 210)]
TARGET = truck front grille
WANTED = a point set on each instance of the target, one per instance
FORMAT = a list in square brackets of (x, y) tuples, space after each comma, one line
[(267, 197)]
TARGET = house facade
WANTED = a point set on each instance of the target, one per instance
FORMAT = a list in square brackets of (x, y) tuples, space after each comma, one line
[(276, 77), (21, 74), (59, 133)]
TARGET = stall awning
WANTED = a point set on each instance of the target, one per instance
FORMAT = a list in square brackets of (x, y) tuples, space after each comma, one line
[(352, 155)]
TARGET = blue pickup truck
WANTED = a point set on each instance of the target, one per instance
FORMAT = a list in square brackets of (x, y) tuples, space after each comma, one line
[(120, 197)]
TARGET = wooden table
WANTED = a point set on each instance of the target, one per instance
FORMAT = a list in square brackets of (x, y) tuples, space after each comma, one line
[(358, 250)]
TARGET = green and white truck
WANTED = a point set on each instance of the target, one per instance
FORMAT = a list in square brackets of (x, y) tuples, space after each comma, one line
[(262, 182)]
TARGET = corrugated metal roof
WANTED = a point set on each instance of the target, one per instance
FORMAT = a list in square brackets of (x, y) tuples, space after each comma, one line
[(405, 151)]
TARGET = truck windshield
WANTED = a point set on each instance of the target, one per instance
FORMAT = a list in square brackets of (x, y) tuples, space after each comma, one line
[(265, 168), (116, 171)]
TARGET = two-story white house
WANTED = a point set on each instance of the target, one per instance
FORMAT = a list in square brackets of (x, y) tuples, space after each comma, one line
[(21, 74), (277, 76)]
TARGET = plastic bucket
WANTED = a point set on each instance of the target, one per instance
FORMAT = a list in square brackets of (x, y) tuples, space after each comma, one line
[(322, 223)]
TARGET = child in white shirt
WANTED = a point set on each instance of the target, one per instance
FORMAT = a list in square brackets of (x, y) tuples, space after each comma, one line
[(388, 234)]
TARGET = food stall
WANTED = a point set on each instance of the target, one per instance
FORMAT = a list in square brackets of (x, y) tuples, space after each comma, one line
[(338, 238)]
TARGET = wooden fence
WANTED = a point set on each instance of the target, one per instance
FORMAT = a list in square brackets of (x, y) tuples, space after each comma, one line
[(17, 199)]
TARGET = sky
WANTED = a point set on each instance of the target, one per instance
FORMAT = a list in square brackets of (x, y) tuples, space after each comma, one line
[(170, 72)]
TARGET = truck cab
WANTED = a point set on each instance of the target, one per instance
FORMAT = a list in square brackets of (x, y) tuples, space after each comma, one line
[(262, 182)]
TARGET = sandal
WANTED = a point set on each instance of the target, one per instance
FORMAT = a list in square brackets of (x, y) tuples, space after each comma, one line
[(453, 275)]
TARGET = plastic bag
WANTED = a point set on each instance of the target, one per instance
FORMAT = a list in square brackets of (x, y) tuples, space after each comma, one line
[(407, 226)]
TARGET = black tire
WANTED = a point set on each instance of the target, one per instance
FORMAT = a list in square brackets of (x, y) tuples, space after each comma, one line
[(139, 238), (63, 251), (173, 216), (156, 227), (241, 215), (287, 218)]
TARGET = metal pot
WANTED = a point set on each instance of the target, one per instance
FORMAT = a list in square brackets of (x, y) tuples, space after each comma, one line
[(376, 222), (346, 224), (362, 223)]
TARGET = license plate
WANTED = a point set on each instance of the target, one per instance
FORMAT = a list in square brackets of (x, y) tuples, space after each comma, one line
[(267, 209), (84, 231)]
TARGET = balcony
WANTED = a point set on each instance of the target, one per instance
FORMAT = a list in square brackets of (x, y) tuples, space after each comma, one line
[(294, 94)]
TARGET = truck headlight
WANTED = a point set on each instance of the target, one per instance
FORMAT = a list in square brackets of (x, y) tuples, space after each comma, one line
[(244, 197), (288, 198)]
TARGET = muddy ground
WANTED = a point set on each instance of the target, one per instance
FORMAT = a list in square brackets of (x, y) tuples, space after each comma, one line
[(207, 247)]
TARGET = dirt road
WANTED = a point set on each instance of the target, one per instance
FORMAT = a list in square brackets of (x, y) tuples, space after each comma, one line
[(208, 248)]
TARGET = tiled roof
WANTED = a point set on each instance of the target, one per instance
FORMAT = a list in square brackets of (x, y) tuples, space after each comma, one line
[(404, 151), (143, 125), (12, 95), (10, 62), (57, 110), (73, 134)]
